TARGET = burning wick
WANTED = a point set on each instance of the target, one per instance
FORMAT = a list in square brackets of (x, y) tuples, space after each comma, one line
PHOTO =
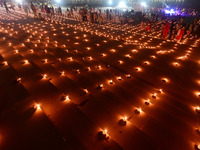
[(111, 82), (85, 91), (119, 78), (147, 102), (67, 99), (197, 109), (19, 80), (5, 63), (37, 107), (100, 86), (44, 76), (154, 95), (63, 73), (138, 110)]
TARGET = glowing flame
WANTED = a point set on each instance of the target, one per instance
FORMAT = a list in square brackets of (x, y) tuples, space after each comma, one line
[(44, 76), (67, 98)]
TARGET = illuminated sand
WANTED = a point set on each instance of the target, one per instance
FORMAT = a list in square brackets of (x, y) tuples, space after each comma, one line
[(61, 84)]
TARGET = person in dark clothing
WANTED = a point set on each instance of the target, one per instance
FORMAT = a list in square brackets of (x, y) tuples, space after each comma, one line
[(7, 10), (171, 29), (34, 10), (59, 10), (196, 29), (1, 3)]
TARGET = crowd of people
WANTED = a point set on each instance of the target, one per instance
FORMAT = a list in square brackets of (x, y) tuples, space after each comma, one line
[(172, 26), (176, 29)]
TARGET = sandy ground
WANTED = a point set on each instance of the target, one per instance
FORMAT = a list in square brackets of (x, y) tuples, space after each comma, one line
[(56, 60)]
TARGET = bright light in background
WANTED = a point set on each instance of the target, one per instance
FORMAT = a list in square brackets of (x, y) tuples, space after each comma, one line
[(18, 1), (165, 4), (122, 4), (170, 11), (144, 4), (110, 2), (58, 1)]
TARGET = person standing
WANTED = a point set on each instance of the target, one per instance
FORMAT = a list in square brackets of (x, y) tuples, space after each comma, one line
[(34, 10), (20, 7), (25, 9), (1, 3), (142, 25), (196, 28), (172, 28), (12, 6), (166, 30), (100, 18), (59, 10), (7, 10), (180, 34)]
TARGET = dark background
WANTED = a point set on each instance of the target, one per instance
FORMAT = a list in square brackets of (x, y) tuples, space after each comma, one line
[(193, 3)]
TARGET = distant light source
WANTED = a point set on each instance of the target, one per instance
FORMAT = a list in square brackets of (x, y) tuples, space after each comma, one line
[(144, 4), (170, 11), (122, 4), (110, 2), (58, 1), (18, 1)]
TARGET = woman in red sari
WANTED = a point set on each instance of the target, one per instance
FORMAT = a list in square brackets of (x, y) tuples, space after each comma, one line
[(180, 34), (166, 30)]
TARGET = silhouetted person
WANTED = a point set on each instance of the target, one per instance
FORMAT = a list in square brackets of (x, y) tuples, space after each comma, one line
[(7, 10), (33, 9)]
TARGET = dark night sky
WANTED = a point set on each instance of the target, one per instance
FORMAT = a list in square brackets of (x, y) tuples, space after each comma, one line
[(194, 3)]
